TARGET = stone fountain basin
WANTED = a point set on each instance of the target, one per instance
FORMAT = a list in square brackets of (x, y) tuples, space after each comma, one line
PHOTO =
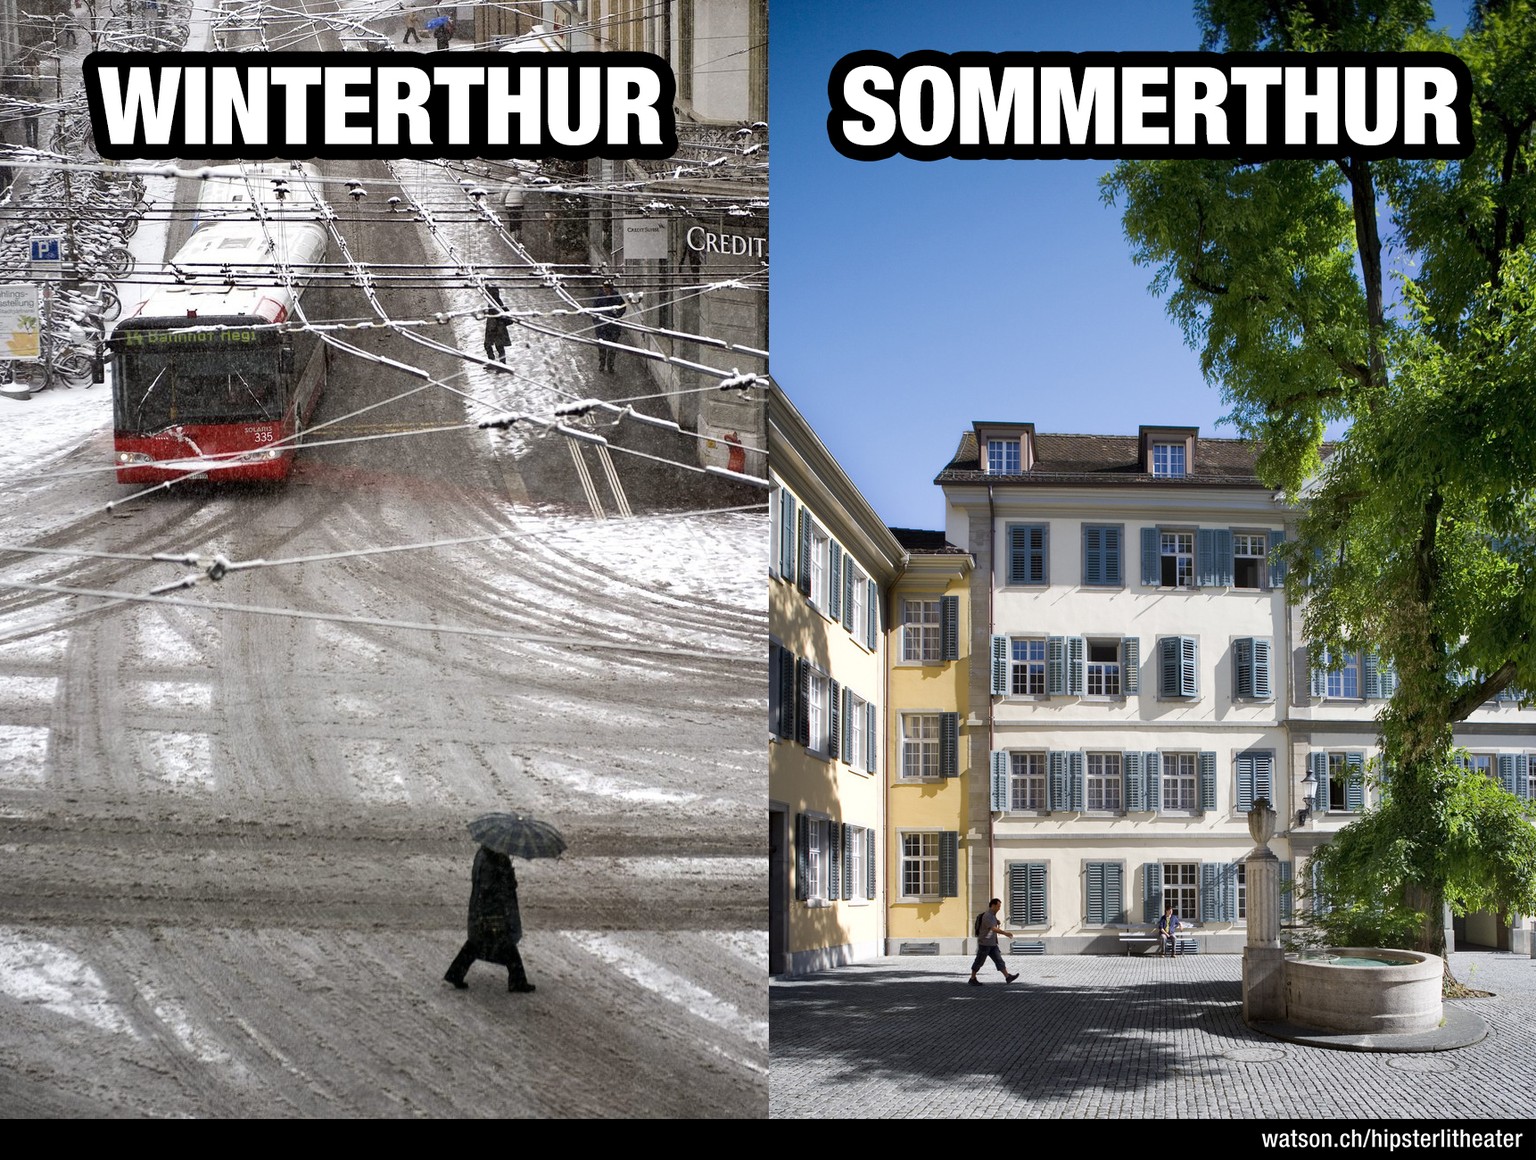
[(1397, 993)]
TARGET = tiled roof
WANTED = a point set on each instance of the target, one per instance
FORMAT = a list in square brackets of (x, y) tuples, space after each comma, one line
[(1109, 459), (919, 540)]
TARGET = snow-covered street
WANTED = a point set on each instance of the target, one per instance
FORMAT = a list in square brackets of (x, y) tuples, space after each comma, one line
[(233, 863)]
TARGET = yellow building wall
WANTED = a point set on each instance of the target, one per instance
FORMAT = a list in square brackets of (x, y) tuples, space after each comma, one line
[(930, 805)]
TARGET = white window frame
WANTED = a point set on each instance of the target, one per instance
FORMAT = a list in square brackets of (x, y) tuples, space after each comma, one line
[(817, 859), (1334, 687), (1240, 887), (1174, 777), (926, 856), (1163, 455), (816, 713), (856, 868), (1097, 768), (918, 633), (1028, 769), (821, 544), (1015, 666), (854, 729), (1182, 553), (1244, 548), (1004, 449), (1179, 891), (1104, 667), (926, 743)]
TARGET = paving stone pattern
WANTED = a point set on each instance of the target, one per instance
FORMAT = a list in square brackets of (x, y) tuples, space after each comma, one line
[(1110, 1037)]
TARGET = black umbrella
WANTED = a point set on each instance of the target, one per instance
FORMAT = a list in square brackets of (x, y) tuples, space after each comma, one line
[(517, 836)]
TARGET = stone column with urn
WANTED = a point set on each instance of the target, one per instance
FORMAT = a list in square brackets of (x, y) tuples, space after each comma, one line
[(1264, 997)]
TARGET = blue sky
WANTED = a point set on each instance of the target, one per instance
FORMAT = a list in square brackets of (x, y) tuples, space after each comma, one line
[(910, 299)]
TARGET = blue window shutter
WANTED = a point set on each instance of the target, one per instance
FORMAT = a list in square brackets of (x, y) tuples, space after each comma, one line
[(1168, 669), (1319, 677), (1276, 562), (1264, 775), (1130, 664), (1077, 660), (949, 864), (1189, 667), (1371, 663), (1153, 770), (1094, 890), (1038, 914), (850, 726), (847, 860), (871, 616), (1059, 797), (949, 744), (802, 857), (949, 627), (1209, 890), (1113, 574), (1388, 678), (1207, 767), (1114, 892), (834, 862), (1287, 891), (835, 580), (1135, 782), (848, 583), (1018, 893), (1076, 776), (803, 702), (1207, 571), (869, 863), (1027, 554), (1151, 558), (834, 720), (1056, 666), (869, 737), (788, 695), (1230, 913), (1093, 555), (805, 552), (775, 694), (999, 666), (1222, 569), (1317, 762), (1507, 771), (1354, 789), (1262, 689), (1245, 794), (1523, 777), (1242, 666), (1001, 773), (786, 535), (1151, 891)]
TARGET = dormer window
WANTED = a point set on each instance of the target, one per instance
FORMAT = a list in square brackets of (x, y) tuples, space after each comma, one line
[(1004, 456), (1168, 460)]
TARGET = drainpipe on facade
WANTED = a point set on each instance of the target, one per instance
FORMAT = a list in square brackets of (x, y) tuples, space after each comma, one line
[(887, 719)]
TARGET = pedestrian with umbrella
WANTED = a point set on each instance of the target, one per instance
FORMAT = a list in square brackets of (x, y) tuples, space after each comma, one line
[(441, 28), (495, 926)]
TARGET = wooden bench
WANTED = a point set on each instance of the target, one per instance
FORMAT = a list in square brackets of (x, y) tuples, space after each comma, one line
[(1128, 939)]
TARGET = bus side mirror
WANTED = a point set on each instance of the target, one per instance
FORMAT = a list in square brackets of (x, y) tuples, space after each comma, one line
[(98, 370), (285, 361)]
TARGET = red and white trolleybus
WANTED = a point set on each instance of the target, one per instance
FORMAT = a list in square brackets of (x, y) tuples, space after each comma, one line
[(203, 383)]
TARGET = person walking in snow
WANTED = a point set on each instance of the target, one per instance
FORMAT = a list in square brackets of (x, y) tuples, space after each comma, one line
[(496, 330), (495, 926), (412, 27), (608, 306)]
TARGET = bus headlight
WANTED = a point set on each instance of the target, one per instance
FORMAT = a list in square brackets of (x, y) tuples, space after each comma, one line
[(130, 458)]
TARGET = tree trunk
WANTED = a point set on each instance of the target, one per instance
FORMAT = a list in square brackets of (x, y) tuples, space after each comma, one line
[(1429, 900)]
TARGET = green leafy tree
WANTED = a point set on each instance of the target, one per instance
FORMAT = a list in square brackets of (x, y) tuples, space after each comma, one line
[(1419, 533)]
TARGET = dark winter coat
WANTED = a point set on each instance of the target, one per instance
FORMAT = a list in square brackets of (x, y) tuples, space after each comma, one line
[(612, 306), (495, 927), (496, 331)]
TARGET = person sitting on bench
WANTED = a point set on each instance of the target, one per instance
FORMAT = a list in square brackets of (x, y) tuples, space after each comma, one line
[(1167, 931)]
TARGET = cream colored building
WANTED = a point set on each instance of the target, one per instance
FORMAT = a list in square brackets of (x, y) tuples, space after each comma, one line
[(831, 562)]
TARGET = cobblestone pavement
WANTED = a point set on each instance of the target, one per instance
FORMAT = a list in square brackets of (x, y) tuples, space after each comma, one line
[(1108, 1037)]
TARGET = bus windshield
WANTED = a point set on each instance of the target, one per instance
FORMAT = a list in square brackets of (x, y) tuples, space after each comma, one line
[(163, 386)]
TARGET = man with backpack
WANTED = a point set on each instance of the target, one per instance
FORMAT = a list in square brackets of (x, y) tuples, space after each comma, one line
[(987, 929)]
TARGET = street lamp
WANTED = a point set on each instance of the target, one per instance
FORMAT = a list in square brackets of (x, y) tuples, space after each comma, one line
[(1309, 791)]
